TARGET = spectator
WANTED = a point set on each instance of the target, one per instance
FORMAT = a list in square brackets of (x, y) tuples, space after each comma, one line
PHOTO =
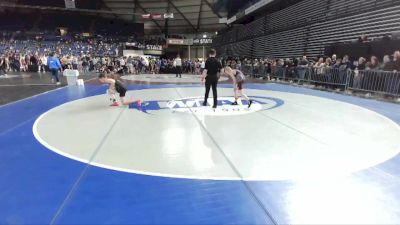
[(334, 57), (280, 67), (42, 63), (274, 66), (387, 64), (197, 67), (361, 64), (202, 66), (320, 67), (373, 64), (328, 62), (346, 64), (178, 66), (268, 69), (69, 62), (34, 63), (359, 73), (371, 79), (23, 65), (85, 65), (396, 61), (129, 64), (239, 65), (2, 66), (74, 61), (363, 38), (302, 67), (27, 62), (7, 63), (337, 64)]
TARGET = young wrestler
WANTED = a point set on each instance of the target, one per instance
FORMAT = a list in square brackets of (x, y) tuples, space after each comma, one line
[(238, 79), (115, 86)]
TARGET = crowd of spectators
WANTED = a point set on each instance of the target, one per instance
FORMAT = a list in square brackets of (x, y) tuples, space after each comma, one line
[(87, 55), (151, 65), (291, 67), (28, 52), (31, 54), (102, 54), (371, 75)]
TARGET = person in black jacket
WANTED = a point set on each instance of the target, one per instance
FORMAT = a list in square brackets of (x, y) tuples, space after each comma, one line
[(211, 76)]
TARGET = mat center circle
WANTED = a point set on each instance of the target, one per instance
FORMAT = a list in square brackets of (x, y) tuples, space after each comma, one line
[(282, 136)]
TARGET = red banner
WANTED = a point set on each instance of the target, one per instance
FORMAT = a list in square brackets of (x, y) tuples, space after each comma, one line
[(156, 16)]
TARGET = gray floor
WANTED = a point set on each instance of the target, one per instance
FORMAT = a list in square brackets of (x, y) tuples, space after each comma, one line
[(16, 86)]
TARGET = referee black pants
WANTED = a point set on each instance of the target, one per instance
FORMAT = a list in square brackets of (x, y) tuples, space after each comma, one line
[(211, 83), (179, 71)]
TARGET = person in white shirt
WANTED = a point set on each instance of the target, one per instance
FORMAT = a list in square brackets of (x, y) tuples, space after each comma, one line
[(203, 65), (178, 66), (43, 63), (122, 64), (94, 61)]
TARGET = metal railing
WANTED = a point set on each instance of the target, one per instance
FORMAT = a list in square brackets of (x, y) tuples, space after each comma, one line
[(369, 81), (329, 76), (375, 81)]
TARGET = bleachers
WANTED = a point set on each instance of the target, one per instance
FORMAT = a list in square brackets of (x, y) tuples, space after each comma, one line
[(252, 29), (25, 20), (346, 7), (308, 26), (297, 15), (280, 45), (346, 29), (75, 48), (240, 49)]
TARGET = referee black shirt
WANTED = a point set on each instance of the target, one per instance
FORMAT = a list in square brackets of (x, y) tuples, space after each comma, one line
[(213, 67)]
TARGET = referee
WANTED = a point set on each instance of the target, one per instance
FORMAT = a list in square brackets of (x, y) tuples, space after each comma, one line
[(210, 74)]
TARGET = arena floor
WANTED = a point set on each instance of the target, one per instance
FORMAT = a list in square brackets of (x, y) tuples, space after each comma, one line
[(296, 156), (16, 86)]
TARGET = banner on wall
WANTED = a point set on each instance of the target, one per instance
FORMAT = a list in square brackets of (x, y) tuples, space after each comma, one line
[(175, 41), (202, 41), (156, 16), (132, 53), (152, 52), (168, 15), (138, 46)]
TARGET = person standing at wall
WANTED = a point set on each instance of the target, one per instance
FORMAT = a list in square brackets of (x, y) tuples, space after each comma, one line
[(302, 68), (202, 65), (210, 76), (42, 63), (178, 66)]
